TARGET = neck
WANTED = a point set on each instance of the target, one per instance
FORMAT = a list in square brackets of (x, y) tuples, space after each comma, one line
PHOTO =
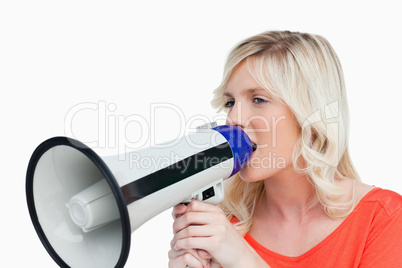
[(288, 195)]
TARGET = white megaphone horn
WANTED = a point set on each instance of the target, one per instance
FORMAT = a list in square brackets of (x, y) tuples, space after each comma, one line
[(84, 208)]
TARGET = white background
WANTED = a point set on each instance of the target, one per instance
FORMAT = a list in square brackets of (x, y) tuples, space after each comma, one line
[(127, 55)]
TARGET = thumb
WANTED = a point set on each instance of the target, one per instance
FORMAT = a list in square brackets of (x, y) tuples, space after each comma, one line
[(204, 254), (215, 264)]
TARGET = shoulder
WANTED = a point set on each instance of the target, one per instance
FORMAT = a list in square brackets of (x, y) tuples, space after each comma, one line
[(388, 201), (368, 197), (381, 228)]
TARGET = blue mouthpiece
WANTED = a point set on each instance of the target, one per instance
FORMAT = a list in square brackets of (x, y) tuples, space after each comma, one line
[(239, 142)]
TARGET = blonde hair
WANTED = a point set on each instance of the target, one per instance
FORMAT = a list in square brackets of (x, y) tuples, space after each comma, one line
[(302, 71)]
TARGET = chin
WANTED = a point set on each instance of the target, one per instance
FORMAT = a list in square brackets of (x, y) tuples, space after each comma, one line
[(259, 173), (252, 175)]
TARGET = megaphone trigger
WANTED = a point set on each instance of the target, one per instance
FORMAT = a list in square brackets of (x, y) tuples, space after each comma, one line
[(212, 193)]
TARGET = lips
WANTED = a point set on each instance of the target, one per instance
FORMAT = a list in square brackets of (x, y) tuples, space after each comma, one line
[(254, 145)]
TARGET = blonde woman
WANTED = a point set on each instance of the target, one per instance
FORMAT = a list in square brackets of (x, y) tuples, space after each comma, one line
[(299, 202)]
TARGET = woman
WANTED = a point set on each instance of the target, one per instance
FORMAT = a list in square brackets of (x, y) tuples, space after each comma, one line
[(299, 202)]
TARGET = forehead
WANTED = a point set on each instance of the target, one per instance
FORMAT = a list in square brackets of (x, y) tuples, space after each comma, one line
[(241, 81), (245, 91)]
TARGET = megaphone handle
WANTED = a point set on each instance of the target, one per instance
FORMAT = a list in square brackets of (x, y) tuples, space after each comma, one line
[(213, 193)]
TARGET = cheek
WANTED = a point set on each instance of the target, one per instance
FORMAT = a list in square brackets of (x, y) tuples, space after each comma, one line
[(285, 146), (279, 141), (284, 138), (264, 163), (275, 155)]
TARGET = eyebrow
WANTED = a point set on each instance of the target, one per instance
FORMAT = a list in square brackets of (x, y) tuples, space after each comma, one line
[(245, 91)]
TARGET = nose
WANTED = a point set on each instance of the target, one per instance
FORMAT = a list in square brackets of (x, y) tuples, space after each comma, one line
[(235, 116)]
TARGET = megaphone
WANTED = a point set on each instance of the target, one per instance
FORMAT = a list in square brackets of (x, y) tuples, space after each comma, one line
[(84, 207)]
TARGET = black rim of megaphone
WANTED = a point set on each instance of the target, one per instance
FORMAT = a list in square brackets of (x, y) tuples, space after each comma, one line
[(125, 222)]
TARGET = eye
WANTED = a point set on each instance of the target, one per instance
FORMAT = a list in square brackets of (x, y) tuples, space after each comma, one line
[(229, 104), (259, 100)]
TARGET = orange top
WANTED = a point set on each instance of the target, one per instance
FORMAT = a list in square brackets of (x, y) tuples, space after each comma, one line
[(371, 236)]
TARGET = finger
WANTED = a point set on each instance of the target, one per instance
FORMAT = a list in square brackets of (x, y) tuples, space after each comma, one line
[(191, 218), (172, 243), (173, 254), (198, 206), (193, 242), (184, 261), (214, 264), (184, 257), (178, 210), (194, 231), (204, 254)]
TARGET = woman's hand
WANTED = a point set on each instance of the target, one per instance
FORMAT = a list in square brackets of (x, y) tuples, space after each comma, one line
[(191, 258), (194, 258), (205, 227)]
